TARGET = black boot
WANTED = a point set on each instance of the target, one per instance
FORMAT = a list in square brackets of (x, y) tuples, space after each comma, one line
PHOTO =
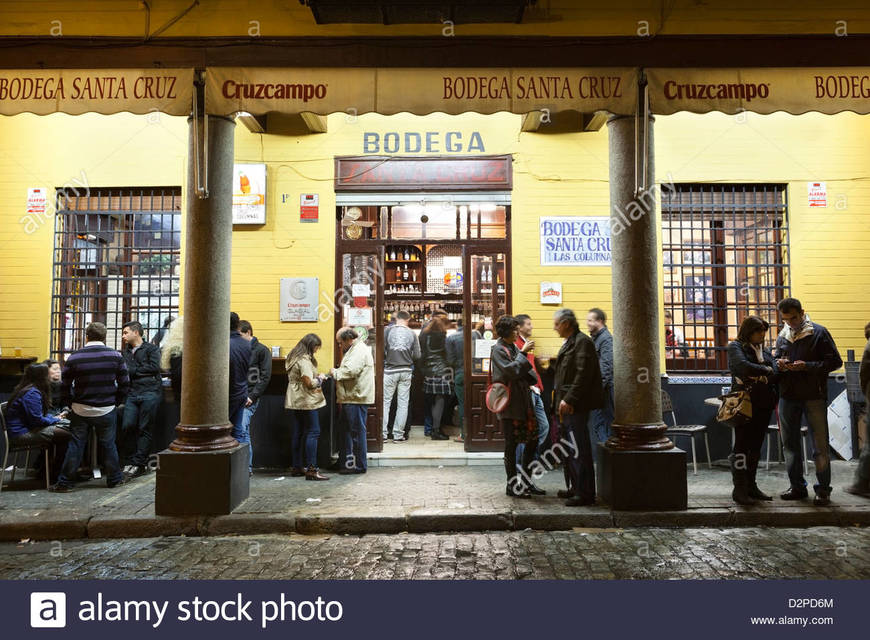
[(739, 476), (751, 487)]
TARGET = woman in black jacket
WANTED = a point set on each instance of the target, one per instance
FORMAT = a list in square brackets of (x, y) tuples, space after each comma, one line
[(437, 374), (511, 367), (754, 369)]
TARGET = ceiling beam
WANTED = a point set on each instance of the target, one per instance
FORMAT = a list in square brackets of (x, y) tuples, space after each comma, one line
[(482, 51)]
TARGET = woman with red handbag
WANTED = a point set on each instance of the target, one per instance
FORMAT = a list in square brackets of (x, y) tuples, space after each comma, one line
[(510, 367)]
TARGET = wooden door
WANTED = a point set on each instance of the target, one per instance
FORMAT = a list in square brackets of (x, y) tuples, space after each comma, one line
[(364, 313), (485, 299)]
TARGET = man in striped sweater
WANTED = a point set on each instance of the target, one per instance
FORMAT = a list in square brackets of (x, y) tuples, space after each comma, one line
[(95, 381)]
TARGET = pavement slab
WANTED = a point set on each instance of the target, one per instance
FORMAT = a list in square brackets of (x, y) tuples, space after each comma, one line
[(402, 499)]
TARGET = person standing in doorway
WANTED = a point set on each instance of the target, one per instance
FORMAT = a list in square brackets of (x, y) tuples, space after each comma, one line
[(240, 363), (259, 374), (401, 350), (524, 335), (861, 485), (576, 391), (805, 355), (753, 369), (146, 393), (304, 400), (455, 345), (437, 383), (95, 381), (354, 390), (601, 419)]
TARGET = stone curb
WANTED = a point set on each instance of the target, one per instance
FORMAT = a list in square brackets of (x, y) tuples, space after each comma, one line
[(424, 520), (142, 526), (62, 529)]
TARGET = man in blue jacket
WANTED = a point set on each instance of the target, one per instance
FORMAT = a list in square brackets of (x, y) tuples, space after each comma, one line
[(805, 354), (601, 419), (240, 364)]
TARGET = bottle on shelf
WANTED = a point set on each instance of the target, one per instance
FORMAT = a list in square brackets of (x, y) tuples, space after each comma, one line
[(407, 255), (405, 273), (414, 275), (398, 273)]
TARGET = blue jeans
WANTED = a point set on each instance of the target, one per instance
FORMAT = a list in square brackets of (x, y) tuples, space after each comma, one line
[(237, 417), (579, 470), (305, 434), (355, 450), (137, 427), (247, 415), (790, 414), (105, 429), (543, 426), (600, 421)]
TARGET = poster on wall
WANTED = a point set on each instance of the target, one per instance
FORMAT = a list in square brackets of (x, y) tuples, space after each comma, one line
[(249, 194), (551, 293), (817, 194), (298, 299), (358, 316), (580, 241)]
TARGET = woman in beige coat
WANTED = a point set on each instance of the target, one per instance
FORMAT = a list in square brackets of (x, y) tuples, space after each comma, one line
[(304, 398)]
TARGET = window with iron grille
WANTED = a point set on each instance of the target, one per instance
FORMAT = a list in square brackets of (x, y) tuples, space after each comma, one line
[(725, 256), (116, 259)]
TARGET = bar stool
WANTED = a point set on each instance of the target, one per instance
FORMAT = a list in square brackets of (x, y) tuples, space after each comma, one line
[(773, 429), (690, 430)]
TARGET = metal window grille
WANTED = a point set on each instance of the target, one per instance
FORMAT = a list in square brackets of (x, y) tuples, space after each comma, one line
[(725, 256), (116, 259)]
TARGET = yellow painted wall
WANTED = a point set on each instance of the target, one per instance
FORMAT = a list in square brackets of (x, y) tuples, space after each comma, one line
[(563, 174), (261, 18), (50, 152)]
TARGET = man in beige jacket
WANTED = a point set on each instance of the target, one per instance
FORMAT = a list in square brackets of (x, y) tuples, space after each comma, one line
[(354, 390)]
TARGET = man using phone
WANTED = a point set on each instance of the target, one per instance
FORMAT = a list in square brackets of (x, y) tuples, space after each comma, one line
[(805, 354)]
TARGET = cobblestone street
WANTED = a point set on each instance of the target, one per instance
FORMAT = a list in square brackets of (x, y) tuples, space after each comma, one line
[(739, 553)]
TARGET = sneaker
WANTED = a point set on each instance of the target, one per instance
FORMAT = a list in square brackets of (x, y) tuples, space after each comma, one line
[(135, 471), (795, 493), (60, 488), (399, 439), (112, 485)]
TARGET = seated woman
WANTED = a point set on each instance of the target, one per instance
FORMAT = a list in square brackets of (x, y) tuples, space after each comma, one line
[(55, 406), (28, 420)]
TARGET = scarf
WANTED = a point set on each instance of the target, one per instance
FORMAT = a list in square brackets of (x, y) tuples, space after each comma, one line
[(793, 336)]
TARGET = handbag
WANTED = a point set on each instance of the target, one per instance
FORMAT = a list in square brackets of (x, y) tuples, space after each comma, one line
[(736, 409), (498, 394)]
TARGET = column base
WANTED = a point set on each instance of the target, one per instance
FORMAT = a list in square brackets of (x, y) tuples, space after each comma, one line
[(202, 483), (638, 480)]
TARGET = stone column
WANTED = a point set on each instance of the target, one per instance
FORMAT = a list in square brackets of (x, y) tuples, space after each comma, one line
[(204, 422), (205, 470), (639, 467), (638, 422)]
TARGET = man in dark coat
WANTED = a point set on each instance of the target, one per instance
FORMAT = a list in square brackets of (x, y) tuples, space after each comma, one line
[(240, 364), (577, 391), (805, 354), (259, 374), (861, 485), (146, 393), (601, 419)]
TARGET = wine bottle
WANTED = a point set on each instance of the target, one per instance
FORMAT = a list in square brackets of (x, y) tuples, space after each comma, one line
[(405, 273)]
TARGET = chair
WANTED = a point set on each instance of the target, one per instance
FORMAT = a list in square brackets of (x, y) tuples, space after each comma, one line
[(774, 429), (17, 449), (690, 430)]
